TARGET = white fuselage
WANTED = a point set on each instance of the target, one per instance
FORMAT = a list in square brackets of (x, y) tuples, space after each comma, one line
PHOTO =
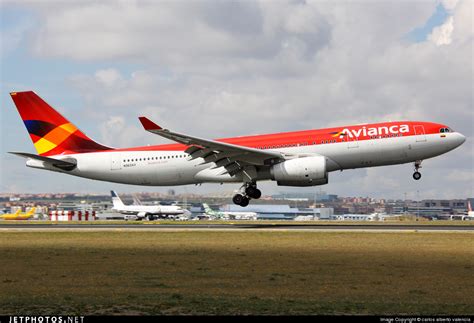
[(168, 168), (149, 209)]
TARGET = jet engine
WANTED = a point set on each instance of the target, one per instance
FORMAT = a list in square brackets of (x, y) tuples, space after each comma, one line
[(304, 171)]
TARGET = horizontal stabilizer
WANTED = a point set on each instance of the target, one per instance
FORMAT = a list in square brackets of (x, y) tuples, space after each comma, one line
[(68, 164)]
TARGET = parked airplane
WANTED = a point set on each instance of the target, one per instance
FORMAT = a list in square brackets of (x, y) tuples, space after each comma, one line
[(302, 158), (470, 212), (10, 214), (229, 215), (18, 215), (139, 212)]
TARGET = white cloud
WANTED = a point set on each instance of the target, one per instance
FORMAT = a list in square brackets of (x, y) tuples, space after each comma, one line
[(116, 131), (219, 69), (108, 77), (441, 35), (450, 4)]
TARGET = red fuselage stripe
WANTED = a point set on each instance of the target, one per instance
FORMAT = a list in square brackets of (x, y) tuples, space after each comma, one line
[(318, 136)]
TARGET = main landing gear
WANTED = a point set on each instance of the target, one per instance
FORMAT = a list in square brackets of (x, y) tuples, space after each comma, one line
[(247, 191), (417, 174)]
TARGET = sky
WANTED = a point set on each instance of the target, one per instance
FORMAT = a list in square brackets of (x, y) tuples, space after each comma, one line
[(229, 68)]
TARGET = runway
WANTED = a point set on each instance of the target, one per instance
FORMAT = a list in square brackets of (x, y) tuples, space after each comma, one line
[(156, 226)]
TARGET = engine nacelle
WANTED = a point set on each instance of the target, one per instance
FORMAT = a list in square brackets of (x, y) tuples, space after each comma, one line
[(305, 171)]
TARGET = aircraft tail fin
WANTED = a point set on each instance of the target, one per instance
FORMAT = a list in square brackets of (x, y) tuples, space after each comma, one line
[(31, 211), (51, 133), (207, 209), (116, 200), (205, 206)]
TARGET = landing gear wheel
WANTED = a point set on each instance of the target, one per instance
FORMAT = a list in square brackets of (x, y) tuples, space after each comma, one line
[(253, 192), (241, 200), (416, 175), (237, 199), (245, 201)]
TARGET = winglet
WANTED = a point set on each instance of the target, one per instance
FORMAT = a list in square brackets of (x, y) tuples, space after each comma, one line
[(148, 124)]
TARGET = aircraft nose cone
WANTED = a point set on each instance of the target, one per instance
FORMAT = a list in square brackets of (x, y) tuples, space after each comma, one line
[(459, 139)]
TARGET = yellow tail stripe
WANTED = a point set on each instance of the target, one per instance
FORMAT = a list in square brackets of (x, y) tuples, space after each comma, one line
[(44, 145), (69, 127), (54, 138)]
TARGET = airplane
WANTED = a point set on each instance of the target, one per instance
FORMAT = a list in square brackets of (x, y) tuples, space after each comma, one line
[(10, 214), (139, 212), (299, 158), (228, 215), (18, 215), (470, 212)]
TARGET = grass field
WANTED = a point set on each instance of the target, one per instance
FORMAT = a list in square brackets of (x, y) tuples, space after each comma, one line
[(407, 222), (236, 273)]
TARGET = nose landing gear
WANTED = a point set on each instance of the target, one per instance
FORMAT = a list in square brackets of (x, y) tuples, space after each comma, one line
[(417, 174), (247, 191)]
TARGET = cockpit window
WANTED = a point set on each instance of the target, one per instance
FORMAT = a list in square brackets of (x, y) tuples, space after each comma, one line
[(442, 130)]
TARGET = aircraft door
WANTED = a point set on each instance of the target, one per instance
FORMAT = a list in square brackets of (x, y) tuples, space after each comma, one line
[(420, 133), (115, 161)]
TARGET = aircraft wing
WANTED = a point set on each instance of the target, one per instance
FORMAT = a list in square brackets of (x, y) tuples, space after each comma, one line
[(232, 157)]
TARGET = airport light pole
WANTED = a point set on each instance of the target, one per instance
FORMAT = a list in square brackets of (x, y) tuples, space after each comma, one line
[(417, 204), (405, 208)]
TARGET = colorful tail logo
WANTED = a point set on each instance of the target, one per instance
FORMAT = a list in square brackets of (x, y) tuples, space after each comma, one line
[(51, 133), (339, 134)]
